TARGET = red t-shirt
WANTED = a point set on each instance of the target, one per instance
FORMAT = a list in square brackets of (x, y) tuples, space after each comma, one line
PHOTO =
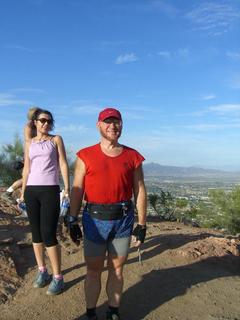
[(109, 179)]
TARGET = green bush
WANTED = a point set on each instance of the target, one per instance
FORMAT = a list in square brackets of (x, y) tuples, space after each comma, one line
[(223, 212), (10, 153)]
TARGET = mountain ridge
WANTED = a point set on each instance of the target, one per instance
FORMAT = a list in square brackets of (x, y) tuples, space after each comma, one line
[(156, 169)]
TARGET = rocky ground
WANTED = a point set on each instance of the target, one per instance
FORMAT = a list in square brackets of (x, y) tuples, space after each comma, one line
[(187, 274)]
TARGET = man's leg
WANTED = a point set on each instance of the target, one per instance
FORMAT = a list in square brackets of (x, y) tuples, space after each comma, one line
[(94, 254), (117, 256), (7, 195), (92, 283), (115, 279)]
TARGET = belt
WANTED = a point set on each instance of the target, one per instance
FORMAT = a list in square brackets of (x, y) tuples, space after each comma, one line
[(112, 211)]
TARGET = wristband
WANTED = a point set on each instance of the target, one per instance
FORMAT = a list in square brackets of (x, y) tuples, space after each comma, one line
[(142, 226), (72, 219)]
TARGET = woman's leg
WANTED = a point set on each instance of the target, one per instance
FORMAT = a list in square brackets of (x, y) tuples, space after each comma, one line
[(38, 249), (50, 206), (33, 211), (54, 254)]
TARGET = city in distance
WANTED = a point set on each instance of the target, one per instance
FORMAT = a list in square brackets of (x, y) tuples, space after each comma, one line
[(188, 182)]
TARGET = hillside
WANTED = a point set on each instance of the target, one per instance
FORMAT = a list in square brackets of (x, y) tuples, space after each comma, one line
[(187, 274)]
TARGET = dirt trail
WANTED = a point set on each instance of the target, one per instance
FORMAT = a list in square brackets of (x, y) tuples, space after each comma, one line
[(187, 274)]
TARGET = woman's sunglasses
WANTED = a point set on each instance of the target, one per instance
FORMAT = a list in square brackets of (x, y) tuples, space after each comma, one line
[(43, 121)]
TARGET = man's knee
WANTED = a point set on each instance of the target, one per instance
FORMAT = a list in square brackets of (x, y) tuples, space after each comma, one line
[(116, 270), (94, 274), (95, 266)]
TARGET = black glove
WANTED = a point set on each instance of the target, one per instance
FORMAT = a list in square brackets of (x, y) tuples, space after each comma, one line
[(75, 233), (140, 232), (73, 228)]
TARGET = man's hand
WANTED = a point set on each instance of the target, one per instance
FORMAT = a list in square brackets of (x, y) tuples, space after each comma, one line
[(75, 233), (73, 228), (139, 234)]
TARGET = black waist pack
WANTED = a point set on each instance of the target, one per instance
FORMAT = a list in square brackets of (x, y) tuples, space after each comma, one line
[(113, 211)]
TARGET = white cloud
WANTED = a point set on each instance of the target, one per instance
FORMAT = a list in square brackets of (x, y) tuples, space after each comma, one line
[(233, 55), (8, 126), (112, 43), (165, 54), (213, 18), (212, 126), (208, 97), (156, 6), (165, 7), (9, 100), (137, 109), (234, 81), (225, 109), (181, 53), (34, 90), (18, 47), (235, 84), (87, 109), (73, 128), (125, 58), (128, 116)]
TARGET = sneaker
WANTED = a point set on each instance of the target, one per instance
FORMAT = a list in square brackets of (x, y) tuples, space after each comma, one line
[(41, 280), (22, 216), (7, 196), (112, 316), (56, 286)]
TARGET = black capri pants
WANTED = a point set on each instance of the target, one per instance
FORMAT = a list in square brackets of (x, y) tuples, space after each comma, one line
[(43, 205)]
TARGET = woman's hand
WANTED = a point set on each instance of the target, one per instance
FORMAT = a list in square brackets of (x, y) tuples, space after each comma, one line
[(66, 193), (21, 198)]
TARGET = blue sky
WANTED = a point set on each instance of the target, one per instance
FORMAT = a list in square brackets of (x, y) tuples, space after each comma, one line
[(172, 67)]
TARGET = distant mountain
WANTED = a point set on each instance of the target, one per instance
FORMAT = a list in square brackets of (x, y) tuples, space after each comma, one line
[(158, 170)]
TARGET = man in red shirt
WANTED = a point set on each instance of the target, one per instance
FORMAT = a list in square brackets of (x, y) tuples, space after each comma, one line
[(107, 175)]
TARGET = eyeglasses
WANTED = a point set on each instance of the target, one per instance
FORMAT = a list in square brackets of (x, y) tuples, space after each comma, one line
[(113, 120), (43, 121)]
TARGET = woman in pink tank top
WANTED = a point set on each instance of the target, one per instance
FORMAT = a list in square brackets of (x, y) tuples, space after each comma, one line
[(45, 158)]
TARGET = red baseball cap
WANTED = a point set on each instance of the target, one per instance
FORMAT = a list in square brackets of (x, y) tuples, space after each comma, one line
[(108, 113)]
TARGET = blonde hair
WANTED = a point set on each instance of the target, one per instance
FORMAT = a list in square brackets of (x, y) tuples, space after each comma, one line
[(31, 112)]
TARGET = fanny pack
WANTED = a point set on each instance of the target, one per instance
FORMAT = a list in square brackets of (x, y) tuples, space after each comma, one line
[(113, 211)]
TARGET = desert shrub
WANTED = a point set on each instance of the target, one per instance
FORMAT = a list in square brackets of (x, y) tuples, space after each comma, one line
[(10, 154), (166, 205)]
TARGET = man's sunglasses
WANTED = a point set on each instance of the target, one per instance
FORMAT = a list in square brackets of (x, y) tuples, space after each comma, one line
[(43, 121), (113, 120)]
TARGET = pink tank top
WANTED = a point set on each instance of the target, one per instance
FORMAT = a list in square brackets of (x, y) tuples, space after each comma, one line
[(44, 166)]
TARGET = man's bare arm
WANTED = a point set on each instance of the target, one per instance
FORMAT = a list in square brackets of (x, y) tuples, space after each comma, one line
[(140, 195), (77, 187)]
